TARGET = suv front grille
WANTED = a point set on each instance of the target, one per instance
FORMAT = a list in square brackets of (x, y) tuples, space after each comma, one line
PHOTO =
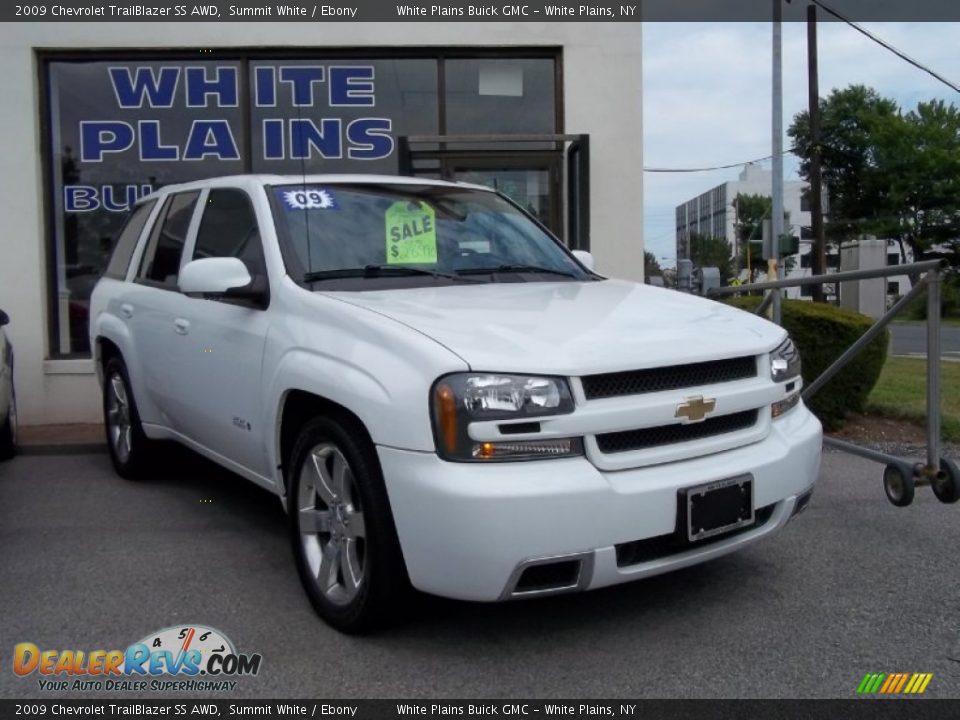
[(644, 438), (637, 382)]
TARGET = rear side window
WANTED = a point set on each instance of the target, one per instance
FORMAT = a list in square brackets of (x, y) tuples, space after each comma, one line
[(127, 240), (161, 259), (229, 229)]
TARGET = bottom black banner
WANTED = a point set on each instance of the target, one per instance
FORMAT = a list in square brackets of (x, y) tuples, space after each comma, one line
[(867, 709)]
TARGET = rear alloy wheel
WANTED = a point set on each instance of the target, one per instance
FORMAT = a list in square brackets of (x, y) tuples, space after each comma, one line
[(8, 429), (127, 444), (342, 531)]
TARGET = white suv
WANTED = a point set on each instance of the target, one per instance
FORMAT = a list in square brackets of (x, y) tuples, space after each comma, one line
[(440, 393)]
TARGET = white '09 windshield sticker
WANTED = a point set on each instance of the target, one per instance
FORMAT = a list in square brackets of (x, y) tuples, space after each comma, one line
[(307, 198)]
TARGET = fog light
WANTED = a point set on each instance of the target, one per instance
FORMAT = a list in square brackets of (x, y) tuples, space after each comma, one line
[(801, 503), (779, 408)]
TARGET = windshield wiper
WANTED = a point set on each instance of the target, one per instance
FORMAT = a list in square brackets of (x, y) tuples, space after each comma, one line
[(375, 271), (516, 268)]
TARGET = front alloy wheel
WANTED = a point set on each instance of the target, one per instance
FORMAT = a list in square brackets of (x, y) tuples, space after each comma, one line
[(332, 530), (341, 527)]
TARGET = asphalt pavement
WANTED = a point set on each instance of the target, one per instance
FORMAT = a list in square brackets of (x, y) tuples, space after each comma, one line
[(854, 585), (911, 339)]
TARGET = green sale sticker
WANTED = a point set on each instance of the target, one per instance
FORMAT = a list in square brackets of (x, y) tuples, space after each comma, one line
[(411, 234)]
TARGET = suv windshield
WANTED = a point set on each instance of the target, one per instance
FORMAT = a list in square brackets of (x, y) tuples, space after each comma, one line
[(421, 233)]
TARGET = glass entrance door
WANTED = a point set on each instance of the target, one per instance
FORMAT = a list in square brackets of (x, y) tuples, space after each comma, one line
[(534, 184), (548, 175)]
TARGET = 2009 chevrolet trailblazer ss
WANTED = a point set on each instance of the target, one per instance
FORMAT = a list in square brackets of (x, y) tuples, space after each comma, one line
[(442, 395)]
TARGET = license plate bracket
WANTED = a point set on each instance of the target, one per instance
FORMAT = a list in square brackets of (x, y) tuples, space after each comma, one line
[(715, 508)]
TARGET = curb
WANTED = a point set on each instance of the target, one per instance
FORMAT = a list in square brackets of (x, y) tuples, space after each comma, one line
[(944, 357), (62, 449)]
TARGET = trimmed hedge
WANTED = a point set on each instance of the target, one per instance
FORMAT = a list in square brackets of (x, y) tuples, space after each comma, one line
[(822, 333)]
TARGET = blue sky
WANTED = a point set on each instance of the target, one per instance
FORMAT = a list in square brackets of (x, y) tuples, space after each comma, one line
[(707, 87)]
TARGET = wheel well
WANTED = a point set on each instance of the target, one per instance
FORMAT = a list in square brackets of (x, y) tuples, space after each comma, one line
[(299, 408), (106, 350)]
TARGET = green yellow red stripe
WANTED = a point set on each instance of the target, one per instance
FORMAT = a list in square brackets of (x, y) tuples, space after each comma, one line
[(894, 683)]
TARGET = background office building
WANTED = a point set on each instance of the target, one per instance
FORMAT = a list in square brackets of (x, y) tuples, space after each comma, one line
[(97, 115), (714, 214)]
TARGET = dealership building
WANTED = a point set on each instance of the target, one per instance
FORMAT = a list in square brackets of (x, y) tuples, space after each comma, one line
[(95, 115)]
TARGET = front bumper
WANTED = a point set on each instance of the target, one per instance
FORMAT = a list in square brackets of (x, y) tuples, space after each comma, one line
[(467, 530)]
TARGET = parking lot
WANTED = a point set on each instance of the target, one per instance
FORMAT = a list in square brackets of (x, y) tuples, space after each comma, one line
[(90, 561)]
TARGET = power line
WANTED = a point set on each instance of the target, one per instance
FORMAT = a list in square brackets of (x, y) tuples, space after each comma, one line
[(883, 43), (880, 41), (706, 169)]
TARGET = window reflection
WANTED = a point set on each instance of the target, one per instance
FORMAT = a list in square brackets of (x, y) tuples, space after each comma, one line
[(120, 127), (500, 96)]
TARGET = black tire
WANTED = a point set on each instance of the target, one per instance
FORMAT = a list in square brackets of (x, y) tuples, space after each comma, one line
[(8, 429), (130, 458), (948, 489), (342, 531), (900, 488)]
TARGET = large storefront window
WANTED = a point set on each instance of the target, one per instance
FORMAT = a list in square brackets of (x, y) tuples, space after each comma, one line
[(499, 96), (350, 120), (120, 127), (119, 130)]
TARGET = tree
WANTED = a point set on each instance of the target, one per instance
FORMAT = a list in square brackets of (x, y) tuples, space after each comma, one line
[(922, 158), (852, 121), (650, 265), (752, 210), (889, 174), (709, 251)]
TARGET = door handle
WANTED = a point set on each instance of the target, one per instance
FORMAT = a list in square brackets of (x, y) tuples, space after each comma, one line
[(181, 326), (126, 309)]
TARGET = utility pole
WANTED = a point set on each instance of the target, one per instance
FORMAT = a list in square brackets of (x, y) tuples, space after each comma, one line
[(736, 236), (772, 249), (819, 249)]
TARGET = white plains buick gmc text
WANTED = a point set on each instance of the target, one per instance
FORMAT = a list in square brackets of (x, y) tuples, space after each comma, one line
[(441, 394)]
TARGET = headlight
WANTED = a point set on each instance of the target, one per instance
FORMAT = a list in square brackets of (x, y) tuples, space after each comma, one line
[(457, 400), (784, 366), (785, 361)]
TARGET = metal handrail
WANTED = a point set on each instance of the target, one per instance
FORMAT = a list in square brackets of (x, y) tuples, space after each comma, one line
[(900, 475), (921, 266)]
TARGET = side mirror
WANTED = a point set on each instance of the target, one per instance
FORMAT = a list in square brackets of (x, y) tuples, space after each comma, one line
[(585, 258), (4, 318), (215, 276)]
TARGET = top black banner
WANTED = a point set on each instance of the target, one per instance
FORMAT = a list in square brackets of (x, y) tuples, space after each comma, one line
[(479, 11)]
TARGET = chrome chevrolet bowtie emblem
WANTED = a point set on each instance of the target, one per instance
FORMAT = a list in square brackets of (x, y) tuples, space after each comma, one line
[(695, 409)]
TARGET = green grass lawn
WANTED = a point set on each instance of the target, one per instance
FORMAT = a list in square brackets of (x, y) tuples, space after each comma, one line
[(901, 393)]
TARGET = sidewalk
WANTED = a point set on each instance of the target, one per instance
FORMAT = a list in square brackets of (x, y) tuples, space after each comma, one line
[(60, 439), (944, 356)]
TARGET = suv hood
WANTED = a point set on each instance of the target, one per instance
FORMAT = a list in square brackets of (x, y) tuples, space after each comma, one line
[(572, 328)]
